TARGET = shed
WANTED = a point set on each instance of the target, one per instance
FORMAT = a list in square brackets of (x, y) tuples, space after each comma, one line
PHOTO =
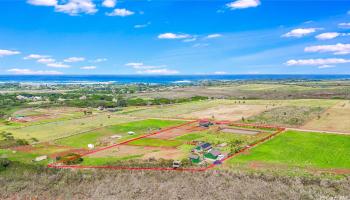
[(40, 158), (213, 154), (205, 146), (91, 146), (195, 158)]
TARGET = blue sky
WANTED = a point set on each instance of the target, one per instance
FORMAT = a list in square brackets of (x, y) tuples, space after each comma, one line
[(174, 37)]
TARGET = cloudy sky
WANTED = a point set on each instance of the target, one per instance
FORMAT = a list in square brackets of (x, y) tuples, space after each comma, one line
[(174, 37)]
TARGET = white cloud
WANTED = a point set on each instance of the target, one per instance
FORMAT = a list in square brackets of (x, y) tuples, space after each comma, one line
[(319, 61), (120, 12), (173, 36), (139, 65), (134, 64), (300, 32), (42, 2), (344, 25), (98, 60), (4, 52), (241, 4), (75, 7), (109, 3), (327, 36), (337, 49), (220, 73), (325, 66), (150, 69), (46, 60), (58, 65), (88, 67), (214, 36), (74, 59), (190, 39), (158, 71), (31, 72), (35, 56), (199, 45), (142, 25)]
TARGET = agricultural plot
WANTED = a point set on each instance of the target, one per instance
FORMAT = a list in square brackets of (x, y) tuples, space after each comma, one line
[(291, 116), (295, 149), (116, 133), (39, 115), (336, 118), (227, 112), (297, 112), (59, 129), (207, 145)]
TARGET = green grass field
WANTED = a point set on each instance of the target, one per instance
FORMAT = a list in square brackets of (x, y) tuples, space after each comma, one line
[(155, 142), (139, 127), (20, 156), (301, 149)]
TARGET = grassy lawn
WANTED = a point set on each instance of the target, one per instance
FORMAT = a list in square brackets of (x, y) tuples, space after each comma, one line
[(303, 149), (139, 127), (154, 142), (92, 161), (20, 156)]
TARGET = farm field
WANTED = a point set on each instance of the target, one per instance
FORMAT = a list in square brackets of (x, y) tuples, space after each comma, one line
[(103, 135), (178, 147), (308, 90), (336, 118), (59, 129), (234, 110), (318, 151)]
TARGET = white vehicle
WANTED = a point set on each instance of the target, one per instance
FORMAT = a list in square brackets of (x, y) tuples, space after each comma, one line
[(176, 164)]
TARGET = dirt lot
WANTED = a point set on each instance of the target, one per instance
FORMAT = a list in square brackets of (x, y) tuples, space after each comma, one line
[(227, 112), (178, 131), (147, 152), (336, 118)]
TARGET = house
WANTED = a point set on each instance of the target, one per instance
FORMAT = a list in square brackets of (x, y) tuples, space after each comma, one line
[(195, 158), (205, 123), (203, 147), (212, 154)]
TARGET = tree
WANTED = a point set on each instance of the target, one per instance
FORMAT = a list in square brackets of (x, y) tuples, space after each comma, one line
[(121, 102)]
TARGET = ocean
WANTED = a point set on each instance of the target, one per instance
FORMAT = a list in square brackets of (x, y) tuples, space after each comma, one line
[(155, 79)]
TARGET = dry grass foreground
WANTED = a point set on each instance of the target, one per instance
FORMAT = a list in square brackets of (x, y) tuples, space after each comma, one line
[(101, 184), (336, 118)]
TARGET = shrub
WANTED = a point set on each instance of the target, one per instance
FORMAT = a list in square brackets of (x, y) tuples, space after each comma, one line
[(71, 159), (4, 163)]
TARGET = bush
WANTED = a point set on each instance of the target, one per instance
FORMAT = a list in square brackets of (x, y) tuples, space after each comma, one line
[(4, 163), (71, 159)]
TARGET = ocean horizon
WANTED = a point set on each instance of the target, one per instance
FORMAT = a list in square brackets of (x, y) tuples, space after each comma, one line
[(160, 79)]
